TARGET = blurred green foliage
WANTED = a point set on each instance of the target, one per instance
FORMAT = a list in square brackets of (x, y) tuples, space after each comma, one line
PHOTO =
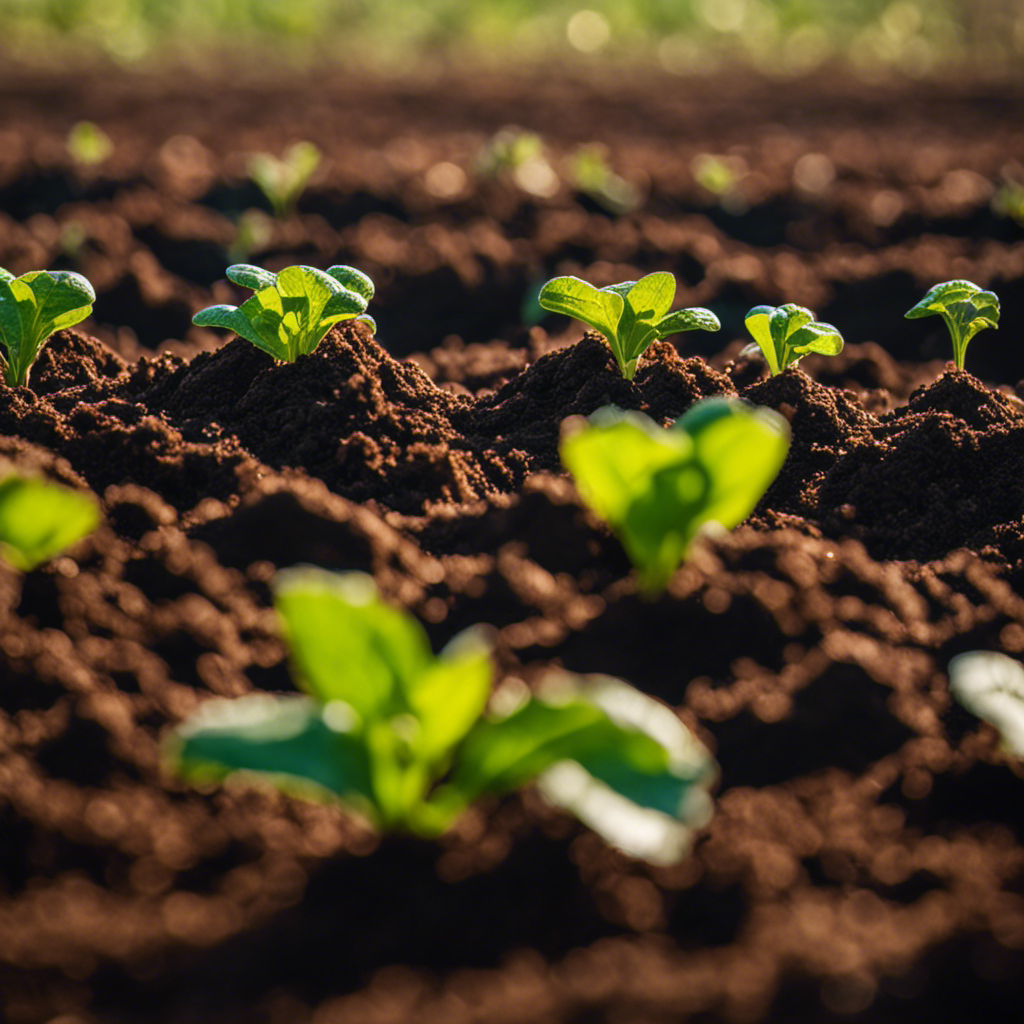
[(919, 37)]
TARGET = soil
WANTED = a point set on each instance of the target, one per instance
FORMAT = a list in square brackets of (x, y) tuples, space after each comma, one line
[(865, 861)]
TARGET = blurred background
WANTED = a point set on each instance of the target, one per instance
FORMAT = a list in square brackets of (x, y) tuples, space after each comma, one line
[(786, 37)]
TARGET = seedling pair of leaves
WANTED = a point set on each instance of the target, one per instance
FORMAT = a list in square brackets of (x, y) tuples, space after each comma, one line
[(283, 180), (291, 311), (39, 520), (403, 737), (657, 488), (966, 309), (34, 306), (786, 333), (630, 315)]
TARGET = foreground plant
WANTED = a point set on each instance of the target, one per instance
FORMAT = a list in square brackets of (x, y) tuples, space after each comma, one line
[(965, 307), (291, 311), (657, 489), (34, 306), (39, 519), (283, 180), (991, 686), (630, 315), (402, 737), (785, 334)]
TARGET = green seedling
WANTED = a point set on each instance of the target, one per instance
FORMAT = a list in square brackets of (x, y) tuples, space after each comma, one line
[(403, 738), (290, 312), (657, 488), (515, 153), (88, 144), (593, 175), (254, 230), (630, 315), (991, 686), (965, 307), (34, 306), (283, 180), (39, 520), (785, 334)]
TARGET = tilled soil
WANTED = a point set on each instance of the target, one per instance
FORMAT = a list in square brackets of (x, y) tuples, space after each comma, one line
[(866, 857)]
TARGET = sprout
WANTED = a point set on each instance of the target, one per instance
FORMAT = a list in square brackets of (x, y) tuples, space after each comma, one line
[(991, 685), (34, 306), (785, 334), (593, 175), (88, 144), (400, 735), (965, 307), (290, 312), (630, 315), (657, 489), (283, 180), (39, 520)]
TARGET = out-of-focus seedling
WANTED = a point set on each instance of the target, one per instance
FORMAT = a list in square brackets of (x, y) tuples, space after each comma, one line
[(39, 519), (630, 315), (592, 174), (657, 488), (517, 154), (402, 737), (88, 144), (965, 307), (34, 306), (786, 333), (253, 232), (721, 176), (283, 179), (291, 311), (991, 686)]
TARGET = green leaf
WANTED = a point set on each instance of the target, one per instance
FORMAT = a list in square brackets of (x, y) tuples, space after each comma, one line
[(651, 297), (39, 520), (6, 275), (966, 309), (940, 296), (991, 686), (348, 645), (234, 319), (576, 298), (292, 741), (786, 333), (352, 279), (817, 337), (364, 318), (695, 319), (252, 277), (34, 306), (283, 180)]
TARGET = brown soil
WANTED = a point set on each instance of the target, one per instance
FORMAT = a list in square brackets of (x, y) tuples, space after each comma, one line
[(866, 857)]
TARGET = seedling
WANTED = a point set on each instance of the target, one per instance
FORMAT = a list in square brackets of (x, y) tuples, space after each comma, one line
[(39, 520), (283, 180), (253, 231), (965, 307), (88, 144), (991, 686), (593, 174), (401, 736), (630, 315), (657, 489), (785, 334), (290, 312), (518, 154), (34, 306)]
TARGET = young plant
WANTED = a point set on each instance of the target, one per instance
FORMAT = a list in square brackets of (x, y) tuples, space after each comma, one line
[(283, 180), (290, 312), (39, 520), (657, 489), (402, 737), (991, 686), (515, 153), (34, 306), (592, 174), (630, 315), (965, 307), (88, 144), (785, 334)]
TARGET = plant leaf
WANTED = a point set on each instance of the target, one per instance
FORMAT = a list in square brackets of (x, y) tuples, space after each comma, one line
[(6, 275), (291, 741), (235, 319), (352, 279), (695, 319), (651, 296), (367, 319), (252, 277), (817, 337), (579, 299), (991, 686), (348, 645), (940, 296), (39, 519)]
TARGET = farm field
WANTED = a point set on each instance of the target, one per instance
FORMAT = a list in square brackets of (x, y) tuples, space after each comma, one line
[(865, 858)]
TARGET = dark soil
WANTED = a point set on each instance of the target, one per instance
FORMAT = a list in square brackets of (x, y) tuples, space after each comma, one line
[(866, 857)]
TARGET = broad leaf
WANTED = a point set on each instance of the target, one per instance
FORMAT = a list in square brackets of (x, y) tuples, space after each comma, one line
[(651, 297), (352, 279), (991, 685), (248, 276), (786, 333), (694, 319), (39, 519), (261, 334), (817, 337), (289, 740), (966, 309), (348, 645), (576, 298), (939, 297)]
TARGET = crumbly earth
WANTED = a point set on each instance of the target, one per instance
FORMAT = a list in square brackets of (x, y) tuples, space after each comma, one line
[(865, 861)]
